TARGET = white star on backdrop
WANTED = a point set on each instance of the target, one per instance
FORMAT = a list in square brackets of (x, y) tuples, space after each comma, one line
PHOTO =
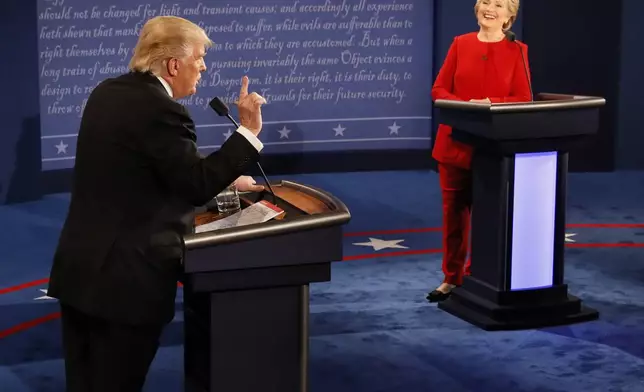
[(379, 244), (339, 130), (570, 235), (44, 296), (393, 129), (228, 133), (61, 147), (284, 132)]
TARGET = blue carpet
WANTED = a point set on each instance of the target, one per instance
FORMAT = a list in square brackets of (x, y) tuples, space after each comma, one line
[(371, 328)]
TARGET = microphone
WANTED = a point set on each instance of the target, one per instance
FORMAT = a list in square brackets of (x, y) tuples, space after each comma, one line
[(513, 38), (222, 109)]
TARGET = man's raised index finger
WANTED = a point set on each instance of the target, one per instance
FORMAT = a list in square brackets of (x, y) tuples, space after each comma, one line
[(244, 87)]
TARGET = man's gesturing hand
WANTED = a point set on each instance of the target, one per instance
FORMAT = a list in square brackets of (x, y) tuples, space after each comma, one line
[(250, 108)]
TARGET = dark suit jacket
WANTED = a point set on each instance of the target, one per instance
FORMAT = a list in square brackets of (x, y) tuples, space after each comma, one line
[(137, 178)]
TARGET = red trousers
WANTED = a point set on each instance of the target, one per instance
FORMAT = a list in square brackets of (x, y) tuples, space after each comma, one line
[(456, 187)]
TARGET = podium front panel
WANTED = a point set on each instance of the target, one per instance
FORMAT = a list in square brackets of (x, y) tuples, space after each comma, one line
[(534, 198), (518, 219)]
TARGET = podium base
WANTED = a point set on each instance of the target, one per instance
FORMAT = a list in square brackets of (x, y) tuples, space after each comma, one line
[(491, 316)]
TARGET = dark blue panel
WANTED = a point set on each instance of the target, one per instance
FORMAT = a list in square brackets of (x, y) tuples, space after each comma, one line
[(630, 138)]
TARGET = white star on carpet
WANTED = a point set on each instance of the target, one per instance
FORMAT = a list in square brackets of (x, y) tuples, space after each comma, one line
[(339, 130), (284, 132), (570, 235), (393, 129), (227, 134), (44, 296), (61, 147), (379, 244)]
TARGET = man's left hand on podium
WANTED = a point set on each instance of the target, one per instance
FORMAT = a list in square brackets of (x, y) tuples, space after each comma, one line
[(247, 184)]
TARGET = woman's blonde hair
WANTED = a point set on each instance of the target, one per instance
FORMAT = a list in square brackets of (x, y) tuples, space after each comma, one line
[(513, 7), (165, 37)]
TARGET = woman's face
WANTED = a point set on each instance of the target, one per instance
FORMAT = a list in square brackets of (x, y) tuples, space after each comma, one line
[(493, 14)]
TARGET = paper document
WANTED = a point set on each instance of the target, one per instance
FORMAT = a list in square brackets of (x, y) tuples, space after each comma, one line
[(257, 213)]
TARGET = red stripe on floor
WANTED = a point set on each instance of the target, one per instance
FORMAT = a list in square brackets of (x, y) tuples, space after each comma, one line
[(399, 231), (606, 225), (29, 324), (391, 254), (37, 283), (438, 229), (23, 286), (614, 245)]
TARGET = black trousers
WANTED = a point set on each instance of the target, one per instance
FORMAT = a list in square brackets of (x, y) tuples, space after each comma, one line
[(102, 356)]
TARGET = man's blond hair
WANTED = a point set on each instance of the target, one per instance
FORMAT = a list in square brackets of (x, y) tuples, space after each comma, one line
[(165, 37)]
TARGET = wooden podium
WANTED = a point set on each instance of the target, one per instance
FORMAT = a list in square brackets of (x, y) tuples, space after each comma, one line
[(246, 292), (519, 172)]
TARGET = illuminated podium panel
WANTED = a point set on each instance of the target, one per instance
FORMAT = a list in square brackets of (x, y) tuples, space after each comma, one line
[(519, 172), (246, 292)]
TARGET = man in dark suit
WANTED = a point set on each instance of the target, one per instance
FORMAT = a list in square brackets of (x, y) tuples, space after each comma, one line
[(137, 178)]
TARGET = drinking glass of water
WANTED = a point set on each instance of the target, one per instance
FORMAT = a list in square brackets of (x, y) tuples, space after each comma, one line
[(228, 200)]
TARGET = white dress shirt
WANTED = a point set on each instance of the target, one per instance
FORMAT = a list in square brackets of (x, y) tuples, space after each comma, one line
[(242, 130)]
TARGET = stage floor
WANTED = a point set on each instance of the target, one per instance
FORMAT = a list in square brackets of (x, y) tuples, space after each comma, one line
[(371, 327)]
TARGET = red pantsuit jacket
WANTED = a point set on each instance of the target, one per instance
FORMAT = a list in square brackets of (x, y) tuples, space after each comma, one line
[(478, 70)]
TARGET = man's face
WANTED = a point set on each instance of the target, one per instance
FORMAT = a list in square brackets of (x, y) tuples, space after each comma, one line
[(188, 73)]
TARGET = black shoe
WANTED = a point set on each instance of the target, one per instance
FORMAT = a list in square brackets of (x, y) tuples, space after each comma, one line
[(438, 296)]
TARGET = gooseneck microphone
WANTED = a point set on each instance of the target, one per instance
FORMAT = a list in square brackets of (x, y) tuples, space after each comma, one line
[(222, 109), (513, 38)]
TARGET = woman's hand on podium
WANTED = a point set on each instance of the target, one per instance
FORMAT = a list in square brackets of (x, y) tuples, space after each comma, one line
[(486, 100), (247, 184)]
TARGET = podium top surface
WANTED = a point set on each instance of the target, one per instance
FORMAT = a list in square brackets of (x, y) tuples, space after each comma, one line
[(306, 208), (544, 102)]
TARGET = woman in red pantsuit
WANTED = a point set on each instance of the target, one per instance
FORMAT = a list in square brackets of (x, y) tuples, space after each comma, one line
[(481, 66)]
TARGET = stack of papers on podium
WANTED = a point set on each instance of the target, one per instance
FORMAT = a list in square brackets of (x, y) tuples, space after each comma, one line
[(257, 213)]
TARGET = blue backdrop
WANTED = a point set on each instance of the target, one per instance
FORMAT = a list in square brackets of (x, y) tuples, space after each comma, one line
[(337, 75), (20, 151)]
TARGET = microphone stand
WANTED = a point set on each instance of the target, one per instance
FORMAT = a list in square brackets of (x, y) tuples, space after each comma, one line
[(258, 164), (512, 37)]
